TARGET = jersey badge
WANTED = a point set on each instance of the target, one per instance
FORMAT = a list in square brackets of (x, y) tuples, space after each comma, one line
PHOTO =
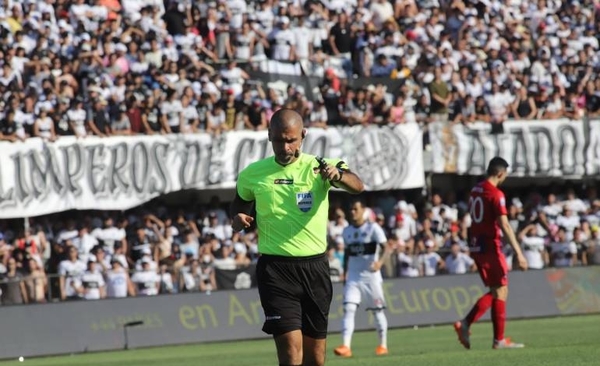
[(304, 200)]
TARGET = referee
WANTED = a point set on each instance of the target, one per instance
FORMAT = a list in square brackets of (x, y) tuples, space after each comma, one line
[(289, 193)]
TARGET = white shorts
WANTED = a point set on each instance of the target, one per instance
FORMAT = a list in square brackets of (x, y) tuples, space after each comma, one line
[(371, 290)]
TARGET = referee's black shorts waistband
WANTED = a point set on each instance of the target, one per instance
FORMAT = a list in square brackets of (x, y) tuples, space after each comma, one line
[(281, 258)]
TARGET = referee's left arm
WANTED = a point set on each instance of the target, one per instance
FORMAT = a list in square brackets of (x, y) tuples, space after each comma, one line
[(342, 177)]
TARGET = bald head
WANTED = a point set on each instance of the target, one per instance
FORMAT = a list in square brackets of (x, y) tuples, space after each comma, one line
[(286, 131), (285, 119)]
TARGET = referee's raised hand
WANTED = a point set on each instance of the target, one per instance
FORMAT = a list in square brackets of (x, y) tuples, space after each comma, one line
[(328, 171), (241, 221)]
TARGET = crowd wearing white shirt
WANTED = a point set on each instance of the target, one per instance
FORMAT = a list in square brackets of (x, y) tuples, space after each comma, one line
[(521, 60)]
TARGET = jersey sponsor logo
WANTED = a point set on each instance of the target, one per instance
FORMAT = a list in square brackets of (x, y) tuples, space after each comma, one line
[(272, 317), (304, 200), (283, 181)]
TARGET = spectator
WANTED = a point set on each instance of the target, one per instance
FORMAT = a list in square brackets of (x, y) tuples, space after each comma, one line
[(44, 126), (534, 247), (77, 118), (118, 283), (12, 286), (523, 106), (458, 262), (121, 125), (146, 280), (430, 262), (563, 252), (36, 283), (166, 280), (71, 270), (92, 282), (408, 265)]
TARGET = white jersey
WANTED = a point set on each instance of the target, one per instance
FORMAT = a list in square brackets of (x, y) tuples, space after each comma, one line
[(408, 265), (109, 236), (429, 263), (533, 250), (92, 282), (116, 283), (146, 282), (73, 271), (460, 264), (363, 248), (77, 117)]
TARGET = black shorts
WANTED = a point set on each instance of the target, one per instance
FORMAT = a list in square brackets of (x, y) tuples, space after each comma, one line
[(295, 293)]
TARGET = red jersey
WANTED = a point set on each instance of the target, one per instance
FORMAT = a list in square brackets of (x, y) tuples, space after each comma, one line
[(486, 205)]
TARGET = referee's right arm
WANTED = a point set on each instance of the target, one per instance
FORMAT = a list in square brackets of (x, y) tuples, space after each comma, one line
[(241, 213)]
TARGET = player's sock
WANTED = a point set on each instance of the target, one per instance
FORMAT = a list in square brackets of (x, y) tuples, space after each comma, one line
[(348, 323), (498, 318), (481, 306), (381, 324)]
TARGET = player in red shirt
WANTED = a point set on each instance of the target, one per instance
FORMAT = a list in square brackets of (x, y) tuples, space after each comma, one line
[(487, 208)]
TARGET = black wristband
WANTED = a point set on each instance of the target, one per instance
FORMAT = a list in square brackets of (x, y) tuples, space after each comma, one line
[(341, 175)]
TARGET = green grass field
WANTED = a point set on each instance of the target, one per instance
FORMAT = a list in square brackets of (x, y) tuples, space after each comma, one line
[(569, 341)]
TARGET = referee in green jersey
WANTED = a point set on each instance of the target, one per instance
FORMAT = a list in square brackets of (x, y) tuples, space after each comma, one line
[(289, 192)]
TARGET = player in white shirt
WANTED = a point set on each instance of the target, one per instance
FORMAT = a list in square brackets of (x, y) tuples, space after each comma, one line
[(534, 247), (71, 271), (430, 261), (458, 262), (118, 283), (365, 242), (147, 281), (92, 282)]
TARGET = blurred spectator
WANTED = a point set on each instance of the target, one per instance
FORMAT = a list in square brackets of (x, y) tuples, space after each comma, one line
[(563, 252), (12, 286), (430, 262), (146, 280), (92, 282), (534, 247), (118, 283), (458, 262), (71, 270)]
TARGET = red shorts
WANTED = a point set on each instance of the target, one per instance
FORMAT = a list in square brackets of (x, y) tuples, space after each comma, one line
[(492, 268)]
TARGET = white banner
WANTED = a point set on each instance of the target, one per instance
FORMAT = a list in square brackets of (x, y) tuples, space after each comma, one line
[(119, 173), (540, 148)]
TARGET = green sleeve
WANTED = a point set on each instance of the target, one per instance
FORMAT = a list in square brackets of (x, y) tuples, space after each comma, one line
[(338, 163), (244, 187)]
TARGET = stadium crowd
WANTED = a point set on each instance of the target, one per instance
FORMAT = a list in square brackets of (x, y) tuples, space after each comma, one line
[(154, 250), (110, 67)]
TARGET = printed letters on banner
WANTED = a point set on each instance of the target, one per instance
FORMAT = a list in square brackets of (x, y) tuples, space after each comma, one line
[(533, 148), (120, 173)]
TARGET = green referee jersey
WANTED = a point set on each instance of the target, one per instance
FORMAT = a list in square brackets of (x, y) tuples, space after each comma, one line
[(292, 205)]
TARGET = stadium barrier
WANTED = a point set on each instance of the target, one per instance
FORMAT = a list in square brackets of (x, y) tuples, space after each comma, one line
[(81, 326)]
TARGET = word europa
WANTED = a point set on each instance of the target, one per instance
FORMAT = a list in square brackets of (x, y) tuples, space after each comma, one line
[(457, 299)]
